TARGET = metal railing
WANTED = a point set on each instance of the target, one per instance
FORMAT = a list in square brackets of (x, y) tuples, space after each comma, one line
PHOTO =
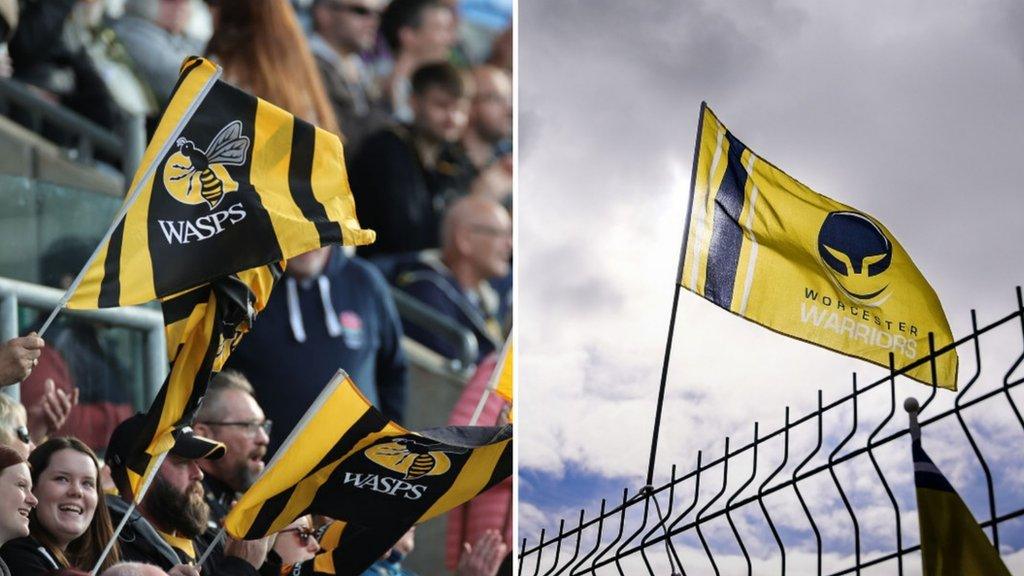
[(88, 136), (455, 334), (15, 293), (647, 528)]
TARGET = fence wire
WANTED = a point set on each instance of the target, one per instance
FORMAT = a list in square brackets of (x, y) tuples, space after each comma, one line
[(719, 512)]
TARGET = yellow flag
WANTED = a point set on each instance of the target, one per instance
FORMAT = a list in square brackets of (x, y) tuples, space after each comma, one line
[(345, 460), (952, 543), (505, 368), (242, 184), (203, 326), (766, 247)]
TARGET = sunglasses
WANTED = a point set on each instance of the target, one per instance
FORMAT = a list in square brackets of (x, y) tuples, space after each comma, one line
[(22, 433), (303, 533), (354, 9)]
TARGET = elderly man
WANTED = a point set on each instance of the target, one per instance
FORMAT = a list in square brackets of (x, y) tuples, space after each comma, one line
[(476, 246), (173, 514)]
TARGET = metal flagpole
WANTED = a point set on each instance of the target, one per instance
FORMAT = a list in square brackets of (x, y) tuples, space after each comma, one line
[(133, 195), (675, 304), (326, 393), (136, 498), (493, 384)]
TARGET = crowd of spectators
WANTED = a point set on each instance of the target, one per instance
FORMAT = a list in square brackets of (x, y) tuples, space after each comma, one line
[(420, 92)]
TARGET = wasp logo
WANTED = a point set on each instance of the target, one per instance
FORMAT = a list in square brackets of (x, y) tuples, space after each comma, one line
[(192, 175), (414, 458), (856, 253)]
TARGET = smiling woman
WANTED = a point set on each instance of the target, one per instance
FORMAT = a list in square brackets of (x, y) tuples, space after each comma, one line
[(16, 498), (70, 524)]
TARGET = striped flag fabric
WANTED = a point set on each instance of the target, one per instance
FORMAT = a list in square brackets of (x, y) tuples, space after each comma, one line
[(202, 326), (229, 182), (764, 246), (952, 542), (505, 372), (346, 461)]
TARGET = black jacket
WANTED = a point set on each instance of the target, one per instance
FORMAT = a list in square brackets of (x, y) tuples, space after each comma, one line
[(140, 542), (27, 557)]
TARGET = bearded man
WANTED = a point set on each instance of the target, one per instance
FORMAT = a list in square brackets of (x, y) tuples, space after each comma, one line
[(165, 527)]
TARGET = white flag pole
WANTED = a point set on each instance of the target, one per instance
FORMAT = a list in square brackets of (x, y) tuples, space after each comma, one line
[(493, 383), (326, 393), (136, 498), (133, 194)]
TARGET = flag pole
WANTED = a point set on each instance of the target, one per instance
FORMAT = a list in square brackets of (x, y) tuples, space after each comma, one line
[(131, 508), (133, 195), (337, 379), (675, 305), (493, 384)]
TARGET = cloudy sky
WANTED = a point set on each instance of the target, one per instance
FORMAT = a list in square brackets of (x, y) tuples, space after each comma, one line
[(909, 111)]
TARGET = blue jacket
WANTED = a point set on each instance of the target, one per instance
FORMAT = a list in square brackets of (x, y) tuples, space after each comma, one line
[(345, 318), (430, 282)]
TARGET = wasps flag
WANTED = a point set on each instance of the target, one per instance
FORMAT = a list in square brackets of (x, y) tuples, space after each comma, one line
[(202, 326), (952, 543), (346, 461), (766, 247), (243, 185)]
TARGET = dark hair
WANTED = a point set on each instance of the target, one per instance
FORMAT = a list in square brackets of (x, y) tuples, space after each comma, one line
[(86, 549), (401, 14), (441, 75)]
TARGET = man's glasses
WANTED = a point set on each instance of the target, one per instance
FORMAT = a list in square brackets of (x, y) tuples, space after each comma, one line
[(492, 231), (250, 428), (303, 534), (22, 433)]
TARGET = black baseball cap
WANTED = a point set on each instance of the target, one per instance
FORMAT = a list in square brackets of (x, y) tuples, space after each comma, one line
[(125, 437)]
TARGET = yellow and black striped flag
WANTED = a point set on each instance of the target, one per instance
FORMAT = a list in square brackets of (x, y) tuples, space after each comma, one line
[(202, 326), (242, 184), (345, 460), (952, 543), (765, 247)]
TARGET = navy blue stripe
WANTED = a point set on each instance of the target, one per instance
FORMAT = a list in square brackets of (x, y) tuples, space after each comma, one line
[(932, 480), (726, 232), (110, 287)]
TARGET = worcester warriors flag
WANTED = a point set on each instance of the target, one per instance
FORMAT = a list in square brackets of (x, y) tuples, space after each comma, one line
[(202, 326), (243, 184), (952, 543), (346, 461), (764, 246)]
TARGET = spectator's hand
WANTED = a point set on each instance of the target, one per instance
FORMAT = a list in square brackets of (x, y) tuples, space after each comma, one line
[(483, 558), (183, 570), (56, 404), (18, 356), (252, 551)]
